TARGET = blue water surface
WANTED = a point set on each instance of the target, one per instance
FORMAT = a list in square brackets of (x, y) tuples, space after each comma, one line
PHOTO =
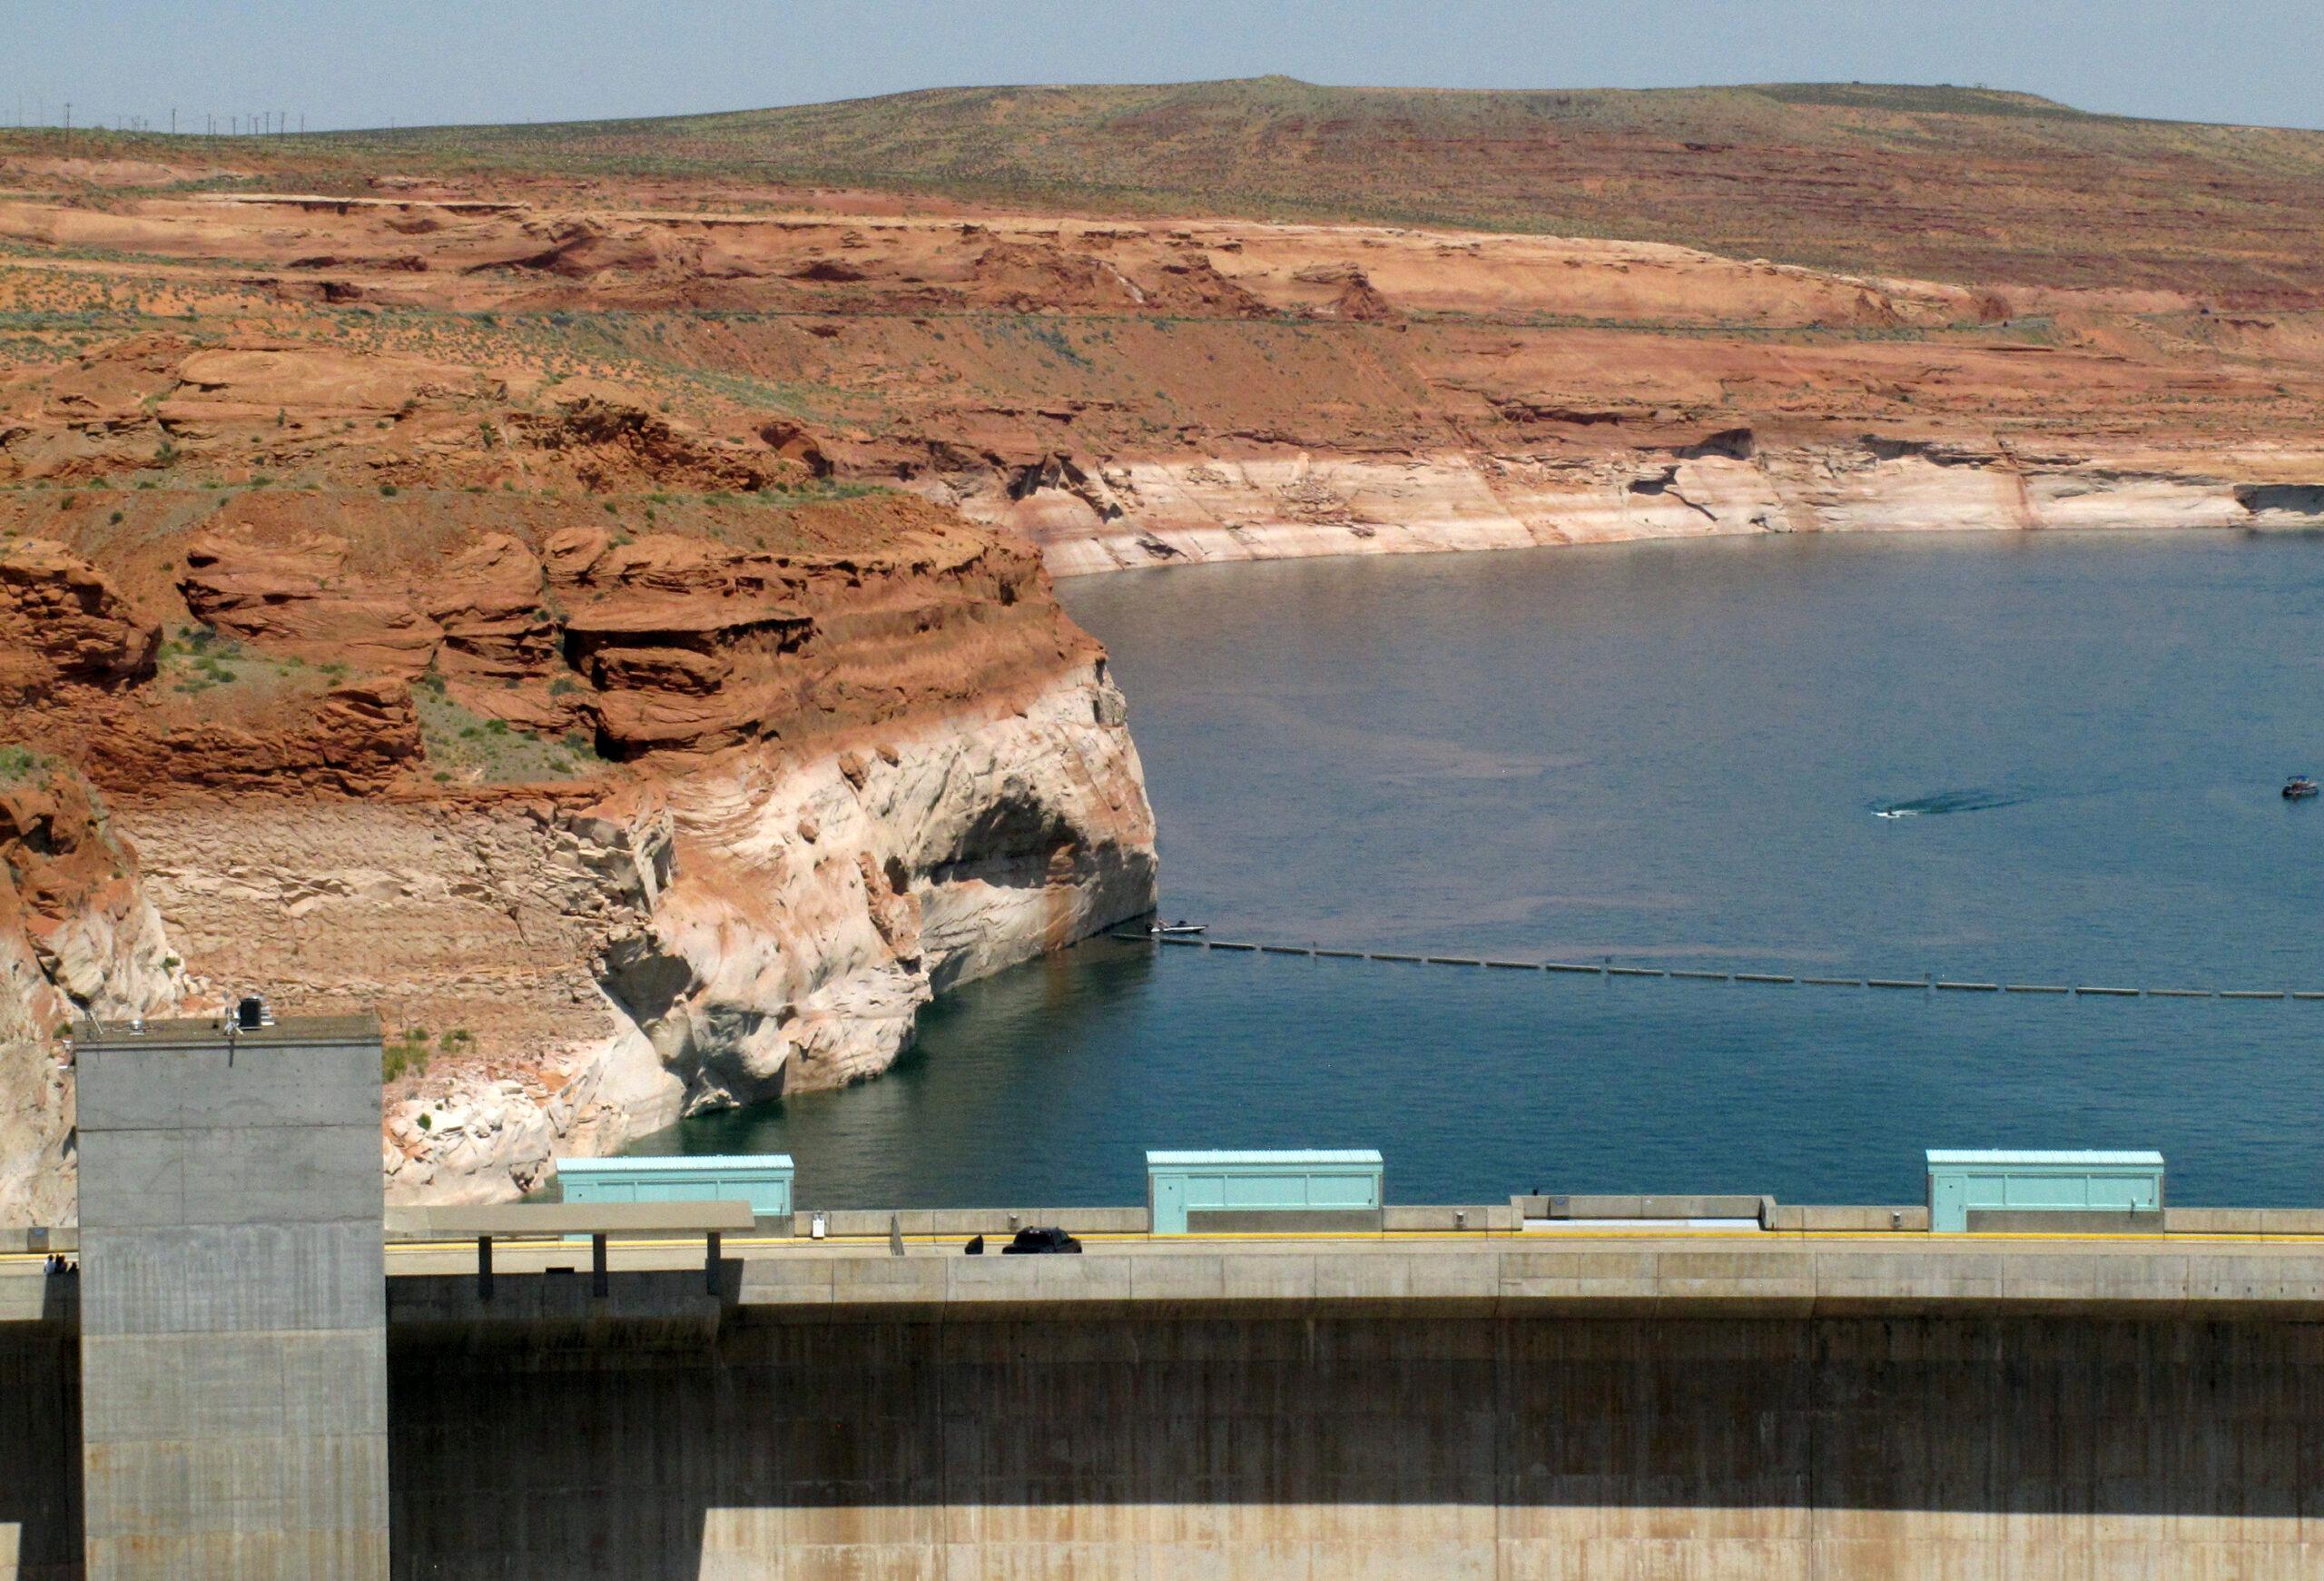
[(1679, 755)]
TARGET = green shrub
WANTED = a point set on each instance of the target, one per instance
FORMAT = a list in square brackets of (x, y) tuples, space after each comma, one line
[(406, 1055)]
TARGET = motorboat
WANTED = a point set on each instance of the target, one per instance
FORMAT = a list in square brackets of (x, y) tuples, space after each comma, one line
[(1180, 929), (2299, 788)]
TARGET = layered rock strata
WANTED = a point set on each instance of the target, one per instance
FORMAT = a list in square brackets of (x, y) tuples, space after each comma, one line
[(1140, 514), (79, 938)]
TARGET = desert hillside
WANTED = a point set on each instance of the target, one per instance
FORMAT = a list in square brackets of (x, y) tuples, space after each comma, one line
[(1963, 184)]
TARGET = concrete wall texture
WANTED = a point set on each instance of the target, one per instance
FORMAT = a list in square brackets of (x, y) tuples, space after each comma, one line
[(233, 1306), (1969, 1447)]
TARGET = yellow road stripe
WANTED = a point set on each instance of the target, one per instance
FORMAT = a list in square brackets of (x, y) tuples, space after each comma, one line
[(1452, 1237), (1430, 1237)]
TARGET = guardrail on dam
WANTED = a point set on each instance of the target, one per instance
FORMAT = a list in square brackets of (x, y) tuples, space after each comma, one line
[(1845, 1395)]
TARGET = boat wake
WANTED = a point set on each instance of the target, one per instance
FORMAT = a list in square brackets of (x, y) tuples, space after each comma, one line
[(1976, 800)]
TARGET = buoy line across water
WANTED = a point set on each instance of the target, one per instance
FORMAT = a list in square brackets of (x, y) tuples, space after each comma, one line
[(1929, 984)]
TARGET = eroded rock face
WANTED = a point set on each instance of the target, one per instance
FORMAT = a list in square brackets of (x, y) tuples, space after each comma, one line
[(76, 928), (814, 909), (63, 625), (764, 923), (77, 936), (660, 644), (39, 1177), (348, 739)]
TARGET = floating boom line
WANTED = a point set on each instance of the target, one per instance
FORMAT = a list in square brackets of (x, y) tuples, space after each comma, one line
[(1610, 969)]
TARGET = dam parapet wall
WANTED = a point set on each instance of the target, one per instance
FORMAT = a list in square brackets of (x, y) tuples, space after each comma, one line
[(1579, 1412)]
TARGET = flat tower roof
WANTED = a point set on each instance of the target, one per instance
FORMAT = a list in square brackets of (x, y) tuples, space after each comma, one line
[(1200, 1158), (674, 1163), (210, 1031), (2034, 1156)]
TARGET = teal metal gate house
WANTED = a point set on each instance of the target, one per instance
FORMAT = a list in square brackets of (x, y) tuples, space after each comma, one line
[(1293, 1190), (1998, 1189), (762, 1180)]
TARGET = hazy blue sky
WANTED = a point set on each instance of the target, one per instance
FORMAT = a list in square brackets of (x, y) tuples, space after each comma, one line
[(359, 63)]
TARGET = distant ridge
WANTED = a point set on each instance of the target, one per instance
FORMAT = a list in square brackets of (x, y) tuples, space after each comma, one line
[(1945, 182), (1907, 98)]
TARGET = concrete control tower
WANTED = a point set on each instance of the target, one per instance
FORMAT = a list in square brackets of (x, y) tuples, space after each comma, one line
[(233, 1302)]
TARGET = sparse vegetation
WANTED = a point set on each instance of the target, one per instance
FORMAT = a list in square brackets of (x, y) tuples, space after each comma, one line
[(198, 658), (471, 749), (409, 1053), (20, 764), (405, 1055)]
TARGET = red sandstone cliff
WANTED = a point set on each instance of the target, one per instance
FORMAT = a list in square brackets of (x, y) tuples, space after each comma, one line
[(1138, 393), (610, 814), (78, 937)]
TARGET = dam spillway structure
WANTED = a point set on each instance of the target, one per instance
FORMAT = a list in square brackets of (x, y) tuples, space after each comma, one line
[(232, 1301)]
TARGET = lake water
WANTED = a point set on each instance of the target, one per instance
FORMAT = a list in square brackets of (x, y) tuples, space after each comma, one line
[(1669, 755)]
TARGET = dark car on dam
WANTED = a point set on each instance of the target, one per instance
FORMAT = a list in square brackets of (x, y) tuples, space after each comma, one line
[(1035, 1241)]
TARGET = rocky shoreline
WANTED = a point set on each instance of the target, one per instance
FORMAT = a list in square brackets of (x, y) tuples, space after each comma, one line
[(1144, 515)]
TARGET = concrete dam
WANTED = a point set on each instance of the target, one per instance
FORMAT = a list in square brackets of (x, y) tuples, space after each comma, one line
[(1540, 1388)]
